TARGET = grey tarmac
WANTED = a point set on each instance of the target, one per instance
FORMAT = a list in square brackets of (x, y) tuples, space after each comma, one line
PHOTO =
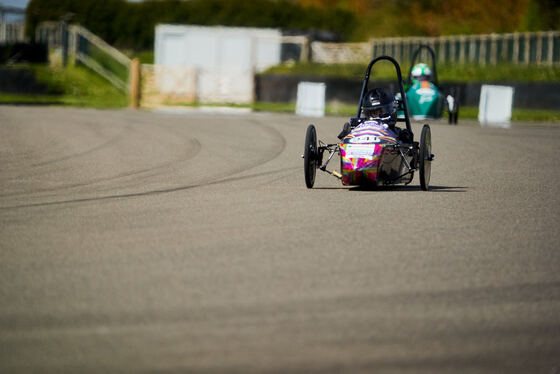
[(141, 242)]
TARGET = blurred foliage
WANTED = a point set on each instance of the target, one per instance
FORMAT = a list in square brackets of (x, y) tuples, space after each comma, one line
[(379, 18), (145, 56), (447, 72), (131, 24)]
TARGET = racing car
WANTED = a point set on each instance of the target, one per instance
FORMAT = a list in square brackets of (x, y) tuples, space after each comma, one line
[(424, 94), (372, 150)]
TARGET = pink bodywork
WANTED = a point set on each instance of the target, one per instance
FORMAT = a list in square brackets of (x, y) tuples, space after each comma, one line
[(361, 153)]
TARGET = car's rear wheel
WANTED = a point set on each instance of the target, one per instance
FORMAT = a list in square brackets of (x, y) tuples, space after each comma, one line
[(425, 157), (310, 156)]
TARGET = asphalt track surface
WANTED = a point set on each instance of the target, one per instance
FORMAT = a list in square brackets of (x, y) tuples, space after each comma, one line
[(133, 241)]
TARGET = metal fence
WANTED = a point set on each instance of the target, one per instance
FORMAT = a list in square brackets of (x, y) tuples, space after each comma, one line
[(12, 24), (78, 43), (12, 32), (541, 48)]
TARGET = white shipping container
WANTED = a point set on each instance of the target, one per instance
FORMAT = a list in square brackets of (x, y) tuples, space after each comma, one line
[(224, 58)]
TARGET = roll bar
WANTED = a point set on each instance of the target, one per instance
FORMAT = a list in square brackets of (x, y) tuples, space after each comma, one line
[(401, 88)]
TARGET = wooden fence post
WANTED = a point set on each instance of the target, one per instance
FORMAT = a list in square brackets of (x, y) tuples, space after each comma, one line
[(515, 56), (550, 56), (493, 49), (538, 55), (135, 83), (505, 47), (452, 42), (482, 53), (75, 44), (305, 46), (462, 49), (472, 49), (527, 48)]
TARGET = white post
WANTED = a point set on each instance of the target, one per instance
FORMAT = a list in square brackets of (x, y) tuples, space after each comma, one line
[(310, 99), (495, 105)]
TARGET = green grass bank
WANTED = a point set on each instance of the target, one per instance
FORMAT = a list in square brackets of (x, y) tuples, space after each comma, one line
[(72, 86)]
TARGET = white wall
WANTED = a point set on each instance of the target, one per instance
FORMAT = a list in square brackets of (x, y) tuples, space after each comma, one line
[(224, 58)]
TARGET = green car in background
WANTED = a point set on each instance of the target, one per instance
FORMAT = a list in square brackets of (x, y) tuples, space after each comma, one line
[(424, 94)]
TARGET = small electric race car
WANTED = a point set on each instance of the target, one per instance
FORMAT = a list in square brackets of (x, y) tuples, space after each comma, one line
[(372, 150), (424, 94)]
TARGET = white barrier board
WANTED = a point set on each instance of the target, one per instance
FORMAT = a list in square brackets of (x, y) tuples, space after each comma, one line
[(310, 99), (495, 104)]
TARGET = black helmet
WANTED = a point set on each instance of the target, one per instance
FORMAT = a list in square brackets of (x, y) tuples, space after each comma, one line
[(376, 99)]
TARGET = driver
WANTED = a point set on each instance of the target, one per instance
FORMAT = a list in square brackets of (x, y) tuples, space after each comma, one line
[(421, 72), (379, 105), (378, 108)]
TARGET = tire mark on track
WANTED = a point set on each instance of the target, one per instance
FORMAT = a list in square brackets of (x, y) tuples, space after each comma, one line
[(146, 193), (229, 177), (194, 146), (194, 143), (107, 143)]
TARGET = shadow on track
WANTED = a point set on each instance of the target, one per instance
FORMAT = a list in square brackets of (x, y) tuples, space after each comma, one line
[(408, 188), (394, 188)]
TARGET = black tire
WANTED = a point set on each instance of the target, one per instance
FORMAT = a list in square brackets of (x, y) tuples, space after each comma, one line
[(425, 157), (456, 113), (310, 153)]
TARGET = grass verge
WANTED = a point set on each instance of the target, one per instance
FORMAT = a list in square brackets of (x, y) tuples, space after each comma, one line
[(446, 72), (517, 114), (349, 110), (71, 86)]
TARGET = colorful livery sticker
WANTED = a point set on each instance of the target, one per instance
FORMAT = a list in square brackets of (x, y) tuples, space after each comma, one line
[(373, 131), (366, 151), (361, 152)]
